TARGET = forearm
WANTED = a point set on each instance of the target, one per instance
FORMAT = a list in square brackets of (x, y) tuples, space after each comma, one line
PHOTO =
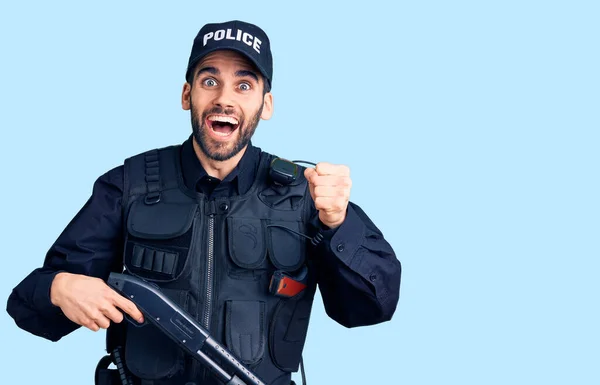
[(358, 272), (90, 245), (30, 306)]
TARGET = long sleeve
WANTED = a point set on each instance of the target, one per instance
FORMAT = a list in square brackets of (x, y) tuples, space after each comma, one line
[(357, 271), (91, 244)]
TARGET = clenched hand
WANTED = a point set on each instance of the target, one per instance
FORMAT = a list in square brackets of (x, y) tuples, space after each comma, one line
[(330, 189), (90, 302)]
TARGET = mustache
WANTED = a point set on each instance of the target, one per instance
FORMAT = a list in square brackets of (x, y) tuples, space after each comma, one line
[(220, 111)]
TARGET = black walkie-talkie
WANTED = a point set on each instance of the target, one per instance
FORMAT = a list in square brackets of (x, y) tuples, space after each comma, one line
[(283, 171)]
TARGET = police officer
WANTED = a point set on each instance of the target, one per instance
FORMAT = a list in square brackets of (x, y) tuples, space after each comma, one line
[(219, 225)]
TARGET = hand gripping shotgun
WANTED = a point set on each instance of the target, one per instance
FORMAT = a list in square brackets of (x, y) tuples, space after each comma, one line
[(183, 329)]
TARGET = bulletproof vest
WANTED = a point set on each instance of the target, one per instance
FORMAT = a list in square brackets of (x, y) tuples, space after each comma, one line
[(215, 258)]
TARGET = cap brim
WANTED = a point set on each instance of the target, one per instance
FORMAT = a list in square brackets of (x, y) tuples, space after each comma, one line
[(194, 61)]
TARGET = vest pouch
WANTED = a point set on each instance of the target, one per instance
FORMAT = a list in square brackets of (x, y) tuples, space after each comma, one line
[(285, 198), (149, 353), (245, 330), (159, 239), (247, 248), (289, 327), (286, 250)]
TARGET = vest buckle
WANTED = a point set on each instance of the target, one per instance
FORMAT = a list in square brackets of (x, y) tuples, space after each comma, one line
[(152, 198)]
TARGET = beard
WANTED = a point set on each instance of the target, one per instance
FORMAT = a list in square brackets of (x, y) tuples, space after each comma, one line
[(222, 151)]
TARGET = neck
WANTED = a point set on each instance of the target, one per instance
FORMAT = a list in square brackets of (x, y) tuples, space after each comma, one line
[(217, 169)]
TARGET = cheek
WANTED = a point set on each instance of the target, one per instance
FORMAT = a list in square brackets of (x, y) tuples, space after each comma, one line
[(252, 108), (200, 101)]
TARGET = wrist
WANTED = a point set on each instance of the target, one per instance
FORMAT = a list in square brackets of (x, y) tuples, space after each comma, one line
[(335, 224), (56, 288)]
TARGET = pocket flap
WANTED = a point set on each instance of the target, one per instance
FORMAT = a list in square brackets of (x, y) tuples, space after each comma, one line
[(246, 242), (245, 325), (286, 249), (160, 220)]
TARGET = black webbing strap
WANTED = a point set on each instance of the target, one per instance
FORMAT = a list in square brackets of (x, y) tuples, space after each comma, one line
[(152, 177)]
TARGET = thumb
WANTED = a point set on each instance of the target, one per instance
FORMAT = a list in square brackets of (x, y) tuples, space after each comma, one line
[(309, 173)]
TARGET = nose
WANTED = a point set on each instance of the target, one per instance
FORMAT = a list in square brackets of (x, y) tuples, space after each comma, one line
[(225, 98)]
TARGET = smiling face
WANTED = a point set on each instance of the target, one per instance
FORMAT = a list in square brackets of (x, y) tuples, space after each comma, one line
[(227, 101)]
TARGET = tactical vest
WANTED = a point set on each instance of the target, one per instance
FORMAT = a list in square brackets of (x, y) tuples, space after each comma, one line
[(215, 258)]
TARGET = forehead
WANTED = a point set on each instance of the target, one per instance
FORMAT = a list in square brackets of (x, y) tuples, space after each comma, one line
[(226, 58)]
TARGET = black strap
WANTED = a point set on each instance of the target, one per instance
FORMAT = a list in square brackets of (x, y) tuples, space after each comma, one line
[(152, 177), (104, 363), (302, 371)]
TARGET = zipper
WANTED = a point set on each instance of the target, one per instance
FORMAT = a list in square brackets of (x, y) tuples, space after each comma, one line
[(197, 371), (210, 261)]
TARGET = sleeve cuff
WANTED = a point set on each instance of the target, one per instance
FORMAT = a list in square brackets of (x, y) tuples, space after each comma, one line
[(347, 237), (41, 295)]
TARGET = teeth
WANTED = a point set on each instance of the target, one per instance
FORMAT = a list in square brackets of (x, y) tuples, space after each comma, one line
[(224, 119)]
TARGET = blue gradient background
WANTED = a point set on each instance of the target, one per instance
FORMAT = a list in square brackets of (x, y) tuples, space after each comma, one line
[(480, 118)]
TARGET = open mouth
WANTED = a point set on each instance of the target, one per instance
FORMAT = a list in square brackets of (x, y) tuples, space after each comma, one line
[(222, 125)]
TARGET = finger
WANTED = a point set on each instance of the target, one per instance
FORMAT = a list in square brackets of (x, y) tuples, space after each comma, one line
[(331, 191), (128, 307), (324, 168), (90, 324), (328, 204), (100, 320), (332, 180), (110, 311)]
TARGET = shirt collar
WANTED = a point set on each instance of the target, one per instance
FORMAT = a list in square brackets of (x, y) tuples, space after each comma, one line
[(243, 174)]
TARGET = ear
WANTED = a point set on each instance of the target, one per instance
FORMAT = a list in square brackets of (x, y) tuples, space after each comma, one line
[(267, 111), (185, 96)]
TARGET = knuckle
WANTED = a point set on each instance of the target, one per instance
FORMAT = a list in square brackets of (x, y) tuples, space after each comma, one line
[(118, 317), (96, 315), (107, 292), (90, 325), (131, 306), (134, 311), (324, 168), (103, 307)]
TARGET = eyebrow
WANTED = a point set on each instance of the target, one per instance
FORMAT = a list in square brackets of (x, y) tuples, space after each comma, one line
[(210, 70), (243, 73), (240, 73)]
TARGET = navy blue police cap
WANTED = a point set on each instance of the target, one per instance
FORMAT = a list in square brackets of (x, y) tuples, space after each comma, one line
[(245, 38)]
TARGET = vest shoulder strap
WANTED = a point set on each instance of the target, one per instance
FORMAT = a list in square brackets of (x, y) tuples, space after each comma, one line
[(151, 172)]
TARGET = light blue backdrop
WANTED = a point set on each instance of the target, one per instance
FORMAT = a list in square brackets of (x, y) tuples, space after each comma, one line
[(479, 118)]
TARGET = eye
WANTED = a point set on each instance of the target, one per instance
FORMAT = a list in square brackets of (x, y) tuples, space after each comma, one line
[(245, 87), (209, 82)]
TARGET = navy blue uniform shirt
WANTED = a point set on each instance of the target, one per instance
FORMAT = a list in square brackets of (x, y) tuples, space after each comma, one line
[(357, 270)]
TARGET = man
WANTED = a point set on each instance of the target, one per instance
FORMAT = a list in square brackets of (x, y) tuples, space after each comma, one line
[(213, 222)]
